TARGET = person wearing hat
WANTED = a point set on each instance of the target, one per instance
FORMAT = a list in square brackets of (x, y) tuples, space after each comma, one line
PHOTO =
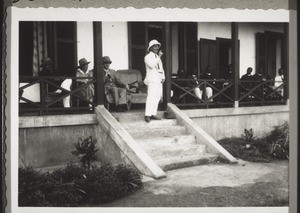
[(87, 92), (113, 85), (155, 77), (47, 70)]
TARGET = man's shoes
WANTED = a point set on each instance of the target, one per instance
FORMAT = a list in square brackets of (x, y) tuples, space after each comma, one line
[(155, 117), (147, 119)]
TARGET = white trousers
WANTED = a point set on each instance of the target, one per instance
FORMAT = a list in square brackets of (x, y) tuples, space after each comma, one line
[(154, 94), (209, 92), (198, 92)]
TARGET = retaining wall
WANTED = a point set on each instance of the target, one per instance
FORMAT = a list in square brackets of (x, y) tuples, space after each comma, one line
[(231, 122)]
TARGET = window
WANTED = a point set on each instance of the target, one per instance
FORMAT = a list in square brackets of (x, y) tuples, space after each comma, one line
[(63, 47), (56, 40), (188, 49), (25, 48), (208, 55), (216, 53), (269, 56)]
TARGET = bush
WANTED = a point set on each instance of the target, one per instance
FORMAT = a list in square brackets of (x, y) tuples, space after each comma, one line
[(275, 145), (77, 186), (237, 148), (278, 140)]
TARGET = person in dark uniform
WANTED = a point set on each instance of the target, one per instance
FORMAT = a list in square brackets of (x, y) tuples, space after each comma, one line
[(258, 78), (208, 91), (47, 71)]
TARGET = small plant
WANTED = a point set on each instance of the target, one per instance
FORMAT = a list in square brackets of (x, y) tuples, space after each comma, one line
[(86, 150), (248, 137)]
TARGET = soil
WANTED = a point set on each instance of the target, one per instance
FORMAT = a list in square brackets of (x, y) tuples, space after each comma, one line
[(215, 185)]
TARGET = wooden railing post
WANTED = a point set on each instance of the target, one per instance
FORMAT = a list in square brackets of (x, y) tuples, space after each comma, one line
[(98, 68), (168, 66), (235, 61)]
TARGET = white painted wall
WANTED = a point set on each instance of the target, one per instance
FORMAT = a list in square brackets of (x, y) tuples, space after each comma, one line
[(115, 43), (85, 42), (213, 30), (246, 36)]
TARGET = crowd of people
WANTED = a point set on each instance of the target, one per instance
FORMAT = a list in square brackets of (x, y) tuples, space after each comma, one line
[(154, 79), (201, 85)]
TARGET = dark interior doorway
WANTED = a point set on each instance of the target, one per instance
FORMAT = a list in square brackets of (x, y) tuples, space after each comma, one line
[(269, 52), (140, 33), (224, 57)]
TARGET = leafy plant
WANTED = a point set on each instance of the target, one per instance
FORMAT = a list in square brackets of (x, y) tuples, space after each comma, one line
[(129, 176), (248, 137), (86, 150), (75, 185)]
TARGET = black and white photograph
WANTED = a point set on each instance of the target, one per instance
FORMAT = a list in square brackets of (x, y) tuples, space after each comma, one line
[(117, 108)]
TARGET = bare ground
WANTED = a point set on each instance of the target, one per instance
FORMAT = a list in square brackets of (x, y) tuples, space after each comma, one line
[(216, 185)]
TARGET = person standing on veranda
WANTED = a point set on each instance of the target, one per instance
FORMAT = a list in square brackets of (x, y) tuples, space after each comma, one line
[(155, 77)]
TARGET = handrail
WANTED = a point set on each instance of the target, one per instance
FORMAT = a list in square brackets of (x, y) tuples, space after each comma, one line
[(249, 92), (262, 92), (220, 96), (50, 99)]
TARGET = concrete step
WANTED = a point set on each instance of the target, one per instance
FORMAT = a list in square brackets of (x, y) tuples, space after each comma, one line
[(133, 115), (166, 141), (148, 132), (142, 124), (171, 147), (176, 162)]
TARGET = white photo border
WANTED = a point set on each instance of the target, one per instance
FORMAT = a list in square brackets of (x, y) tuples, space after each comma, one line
[(15, 15)]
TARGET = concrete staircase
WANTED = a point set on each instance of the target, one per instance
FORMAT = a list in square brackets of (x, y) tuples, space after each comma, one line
[(166, 142)]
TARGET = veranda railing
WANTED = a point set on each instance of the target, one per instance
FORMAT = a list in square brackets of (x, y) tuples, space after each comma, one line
[(51, 102)]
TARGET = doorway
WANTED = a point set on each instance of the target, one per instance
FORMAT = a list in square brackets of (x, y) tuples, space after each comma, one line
[(269, 56), (140, 33)]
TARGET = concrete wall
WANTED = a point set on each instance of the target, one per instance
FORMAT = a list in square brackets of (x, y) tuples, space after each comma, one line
[(231, 122), (52, 145), (115, 43)]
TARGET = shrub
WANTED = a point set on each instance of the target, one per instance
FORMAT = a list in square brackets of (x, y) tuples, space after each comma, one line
[(74, 185), (30, 192), (130, 178), (278, 140), (274, 145), (236, 147)]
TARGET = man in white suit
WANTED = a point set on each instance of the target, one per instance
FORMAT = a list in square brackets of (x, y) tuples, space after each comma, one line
[(155, 77)]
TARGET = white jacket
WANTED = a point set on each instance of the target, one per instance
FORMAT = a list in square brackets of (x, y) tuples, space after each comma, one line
[(154, 69)]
